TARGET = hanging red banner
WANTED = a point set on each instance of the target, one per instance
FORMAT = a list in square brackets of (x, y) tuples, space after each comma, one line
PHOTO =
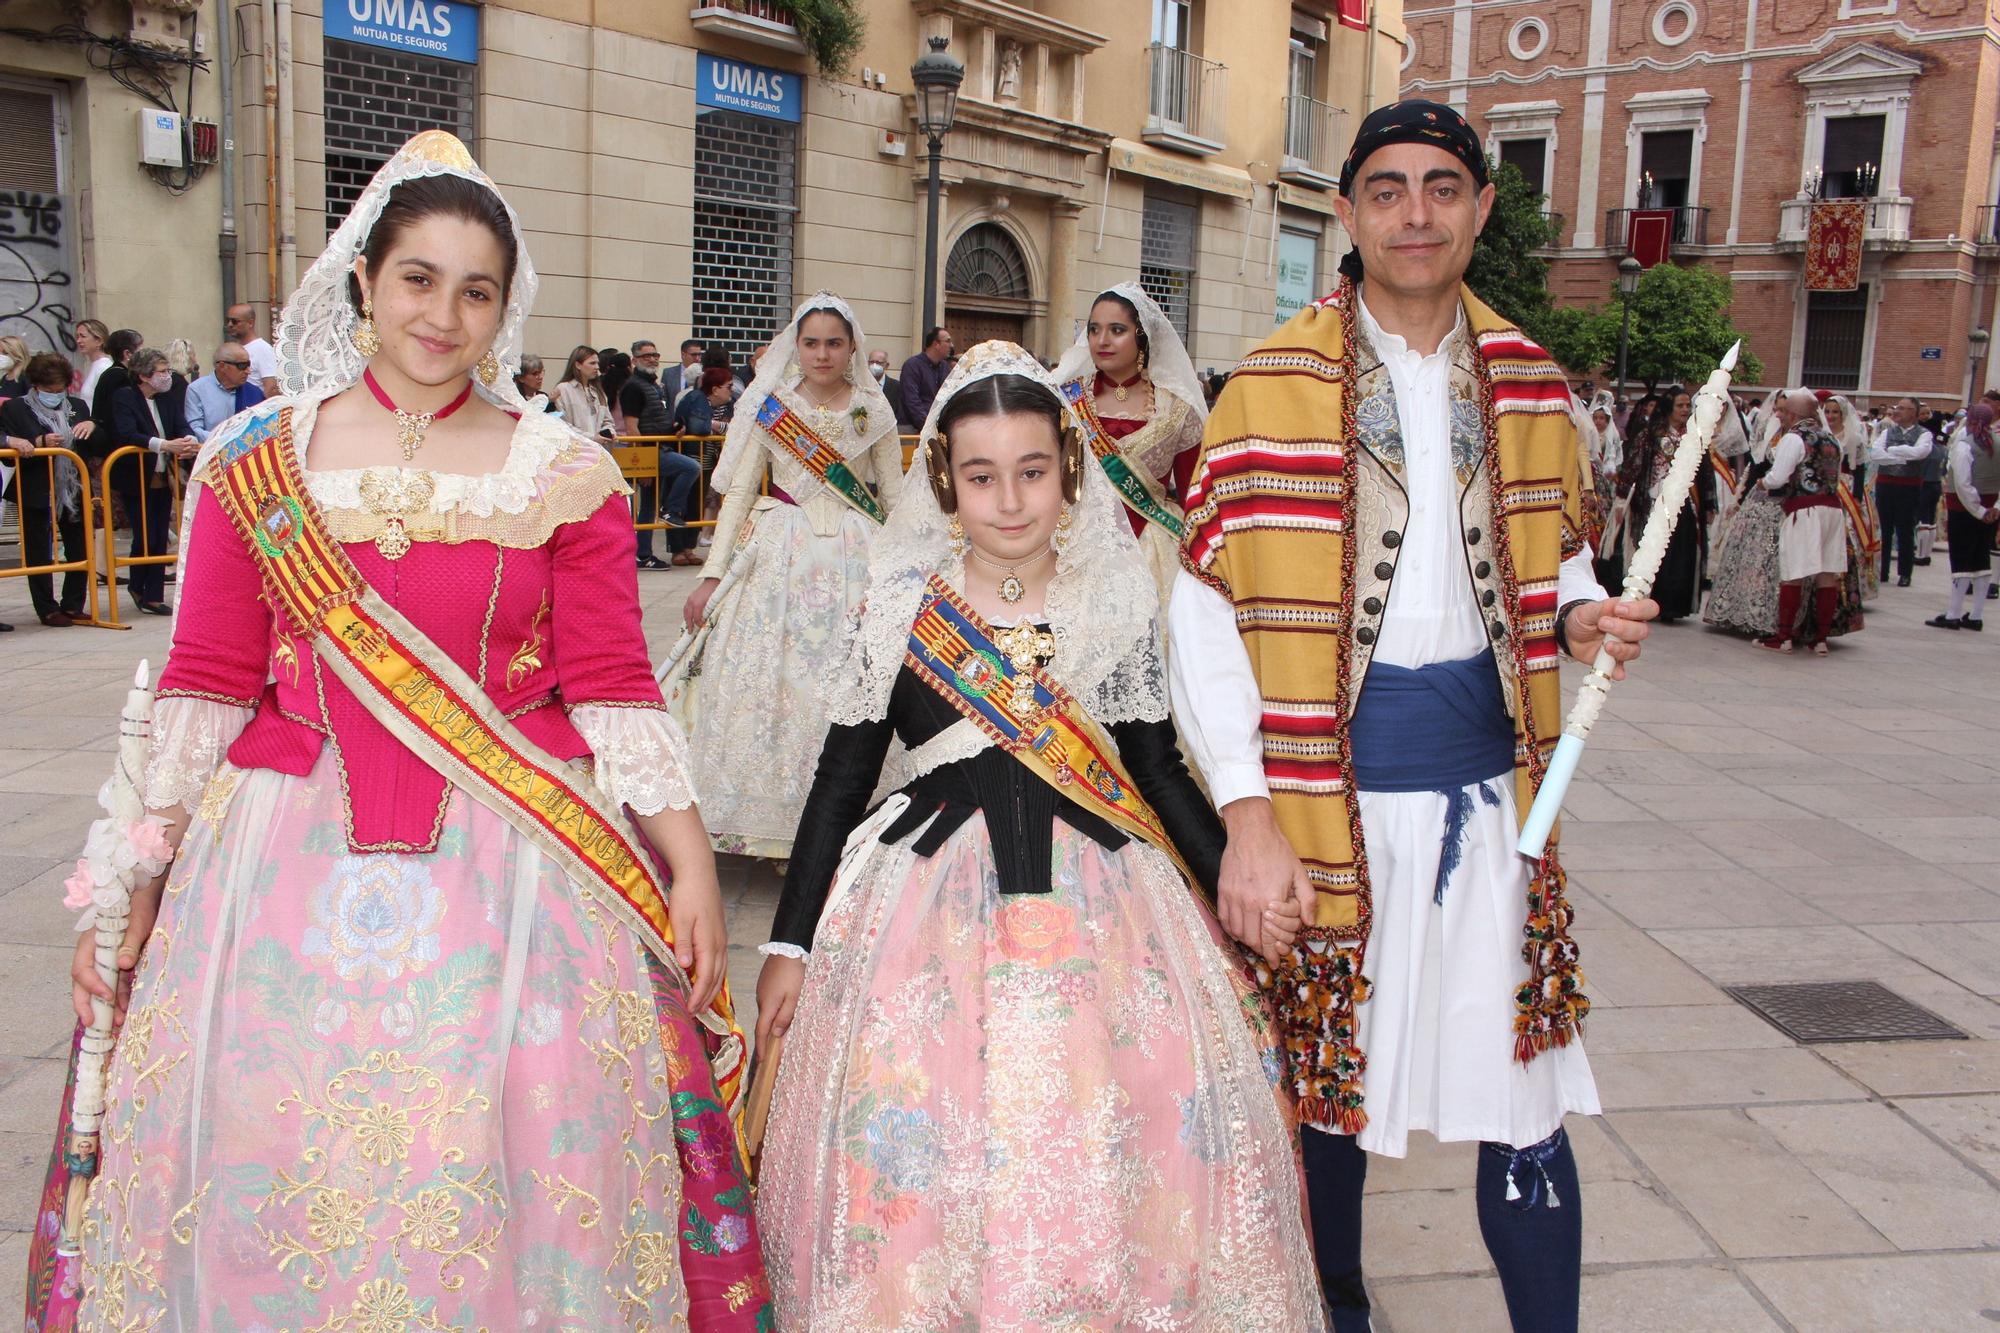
[(1354, 14), (1833, 246), (1649, 235)]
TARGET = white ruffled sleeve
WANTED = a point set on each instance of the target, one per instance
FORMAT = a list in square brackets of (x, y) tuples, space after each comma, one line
[(190, 737), (642, 756)]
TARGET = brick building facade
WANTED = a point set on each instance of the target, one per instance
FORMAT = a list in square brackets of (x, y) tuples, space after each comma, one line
[(1728, 112)]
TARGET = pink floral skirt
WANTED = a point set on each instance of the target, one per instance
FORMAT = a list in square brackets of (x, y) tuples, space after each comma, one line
[(1031, 1111), (388, 1091)]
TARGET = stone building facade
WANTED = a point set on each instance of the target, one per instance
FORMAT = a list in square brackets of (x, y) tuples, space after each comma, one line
[(1731, 113), (685, 168)]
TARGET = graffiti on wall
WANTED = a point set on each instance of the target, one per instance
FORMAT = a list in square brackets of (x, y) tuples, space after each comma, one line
[(35, 280)]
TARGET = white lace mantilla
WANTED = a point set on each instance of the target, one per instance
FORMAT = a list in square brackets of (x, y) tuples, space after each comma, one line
[(190, 737), (641, 754), (539, 439)]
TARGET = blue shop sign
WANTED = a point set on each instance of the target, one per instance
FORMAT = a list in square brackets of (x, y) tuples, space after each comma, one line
[(443, 29), (1932, 354), (733, 85)]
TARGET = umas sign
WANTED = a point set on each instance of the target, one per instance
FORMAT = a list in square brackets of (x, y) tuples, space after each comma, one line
[(437, 28), (732, 85)]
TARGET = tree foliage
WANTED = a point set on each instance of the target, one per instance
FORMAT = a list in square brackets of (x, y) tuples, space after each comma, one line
[(1505, 270), (832, 30), (1681, 327), (1581, 338)]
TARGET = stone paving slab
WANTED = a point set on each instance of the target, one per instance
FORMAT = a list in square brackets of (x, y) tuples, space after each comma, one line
[(1739, 817)]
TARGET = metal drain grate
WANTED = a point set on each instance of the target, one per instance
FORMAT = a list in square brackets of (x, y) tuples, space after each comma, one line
[(1817, 1011)]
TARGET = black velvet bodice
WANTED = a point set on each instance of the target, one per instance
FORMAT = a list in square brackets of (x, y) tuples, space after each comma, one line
[(1020, 808)]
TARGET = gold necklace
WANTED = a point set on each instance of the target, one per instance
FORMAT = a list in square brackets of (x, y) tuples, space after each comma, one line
[(1011, 588)]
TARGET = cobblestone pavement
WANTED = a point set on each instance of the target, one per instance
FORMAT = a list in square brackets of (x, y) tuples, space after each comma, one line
[(1741, 817)]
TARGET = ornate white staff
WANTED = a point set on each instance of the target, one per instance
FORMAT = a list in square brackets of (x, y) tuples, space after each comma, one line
[(126, 848), (1709, 405)]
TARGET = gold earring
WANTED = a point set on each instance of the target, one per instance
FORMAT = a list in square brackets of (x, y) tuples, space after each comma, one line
[(488, 368), (1063, 522), (367, 340), (957, 531)]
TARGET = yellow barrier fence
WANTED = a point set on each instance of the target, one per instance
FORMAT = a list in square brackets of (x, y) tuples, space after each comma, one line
[(639, 459), (140, 520), (51, 567)]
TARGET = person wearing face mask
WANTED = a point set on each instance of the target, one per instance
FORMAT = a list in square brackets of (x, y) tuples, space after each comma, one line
[(48, 490), (144, 413), (892, 388), (770, 622)]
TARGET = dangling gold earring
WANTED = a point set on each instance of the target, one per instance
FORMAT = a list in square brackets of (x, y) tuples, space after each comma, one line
[(367, 340), (488, 368), (957, 530), (1063, 522)]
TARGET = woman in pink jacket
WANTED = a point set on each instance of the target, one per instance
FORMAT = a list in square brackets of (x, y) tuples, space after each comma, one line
[(418, 1038)]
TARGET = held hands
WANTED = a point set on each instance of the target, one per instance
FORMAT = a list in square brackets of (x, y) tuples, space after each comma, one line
[(1265, 898), (1614, 624), (696, 609), (84, 981), (778, 987)]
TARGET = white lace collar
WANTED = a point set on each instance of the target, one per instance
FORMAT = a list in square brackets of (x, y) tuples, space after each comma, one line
[(538, 440)]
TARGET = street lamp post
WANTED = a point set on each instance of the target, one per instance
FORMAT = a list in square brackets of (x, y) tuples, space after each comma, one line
[(937, 75), (1629, 270), (1976, 352)]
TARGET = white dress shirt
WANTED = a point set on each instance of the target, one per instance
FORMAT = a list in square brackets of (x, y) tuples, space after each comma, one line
[(1882, 452), (1958, 473)]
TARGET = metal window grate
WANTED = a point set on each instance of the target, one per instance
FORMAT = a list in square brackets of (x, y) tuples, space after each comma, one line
[(746, 192), (377, 99), (987, 262), (1166, 257), (1836, 332), (28, 158), (1820, 1011)]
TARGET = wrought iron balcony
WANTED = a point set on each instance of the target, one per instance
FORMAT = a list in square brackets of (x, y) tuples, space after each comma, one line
[(1989, 225), (1312, 152), (1885, 220), (1185, 97), (768, 22), (1557, 223), (1690, 225)]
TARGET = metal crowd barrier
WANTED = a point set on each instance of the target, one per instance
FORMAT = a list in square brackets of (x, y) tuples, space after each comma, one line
[(84, 565), (113, 562), (638, 458)]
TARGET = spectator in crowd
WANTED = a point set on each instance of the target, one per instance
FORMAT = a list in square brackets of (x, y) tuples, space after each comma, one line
[(48, 492), (240, 326), (1897, 455), (143, 414), (220, 395), (14, 366), (648, 413), (528, 381), (616, 368), (924, 373), (748, 370), (180, 355), (695, 414), (580, 394), (892, 388), (121, 347), (687, 375), (90, 336)]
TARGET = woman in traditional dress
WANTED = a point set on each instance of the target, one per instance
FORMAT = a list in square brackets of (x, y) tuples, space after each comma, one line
[(771, 621), (1131, 384), (397, 1054), (1024, 1082), (1677, 587), (1863, 533)]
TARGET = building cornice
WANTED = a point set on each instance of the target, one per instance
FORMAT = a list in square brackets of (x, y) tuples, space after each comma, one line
[(1011, 20)]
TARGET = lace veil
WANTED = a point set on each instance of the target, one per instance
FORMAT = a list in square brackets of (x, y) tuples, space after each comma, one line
[(1854, 439), (1167, 363), (1100, 605), (778, 372)]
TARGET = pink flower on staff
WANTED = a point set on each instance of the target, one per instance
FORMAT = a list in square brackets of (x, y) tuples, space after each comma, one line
[(77, 888), (149, 839)]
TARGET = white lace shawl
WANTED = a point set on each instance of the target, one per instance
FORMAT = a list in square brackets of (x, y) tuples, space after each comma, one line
[(1100, 606), (1168, 365), (778, 372)]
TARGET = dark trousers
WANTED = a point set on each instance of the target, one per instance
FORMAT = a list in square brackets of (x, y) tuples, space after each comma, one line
[(39, 527), (679, 474), (151, 535), (1898, 506), (1535, 1237)]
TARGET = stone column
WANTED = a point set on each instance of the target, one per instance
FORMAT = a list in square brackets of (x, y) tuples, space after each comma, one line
[(1063, 214)]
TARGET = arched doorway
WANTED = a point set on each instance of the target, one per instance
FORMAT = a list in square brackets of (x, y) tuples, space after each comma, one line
[(987, 292)]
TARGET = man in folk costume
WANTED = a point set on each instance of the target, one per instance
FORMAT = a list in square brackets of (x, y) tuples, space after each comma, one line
[(1383, 559)]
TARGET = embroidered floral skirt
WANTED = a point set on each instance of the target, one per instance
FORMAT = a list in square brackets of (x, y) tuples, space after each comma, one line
[(1031, 1111), (372, 1092), (1744, 598), (757, 716)]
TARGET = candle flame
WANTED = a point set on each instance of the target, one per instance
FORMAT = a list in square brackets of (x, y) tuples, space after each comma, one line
[(1729, 360), (142, 675)]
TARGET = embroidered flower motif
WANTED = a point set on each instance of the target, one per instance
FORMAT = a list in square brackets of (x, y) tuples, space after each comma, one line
[(430, 1221), (903, 1145), (375, 914), (383, 1133), (398, 1020), (732, 1232), (1036, 931), (654, 1259), (383, 1306), (541, 1023), (329, 1017), (335, 1218)]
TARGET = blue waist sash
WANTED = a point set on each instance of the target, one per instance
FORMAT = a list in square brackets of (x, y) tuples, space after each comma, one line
[(1432, 728)]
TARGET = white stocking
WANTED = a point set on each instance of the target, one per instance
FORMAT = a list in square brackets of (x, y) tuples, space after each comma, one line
[(1960, 584), (1980, 582)]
